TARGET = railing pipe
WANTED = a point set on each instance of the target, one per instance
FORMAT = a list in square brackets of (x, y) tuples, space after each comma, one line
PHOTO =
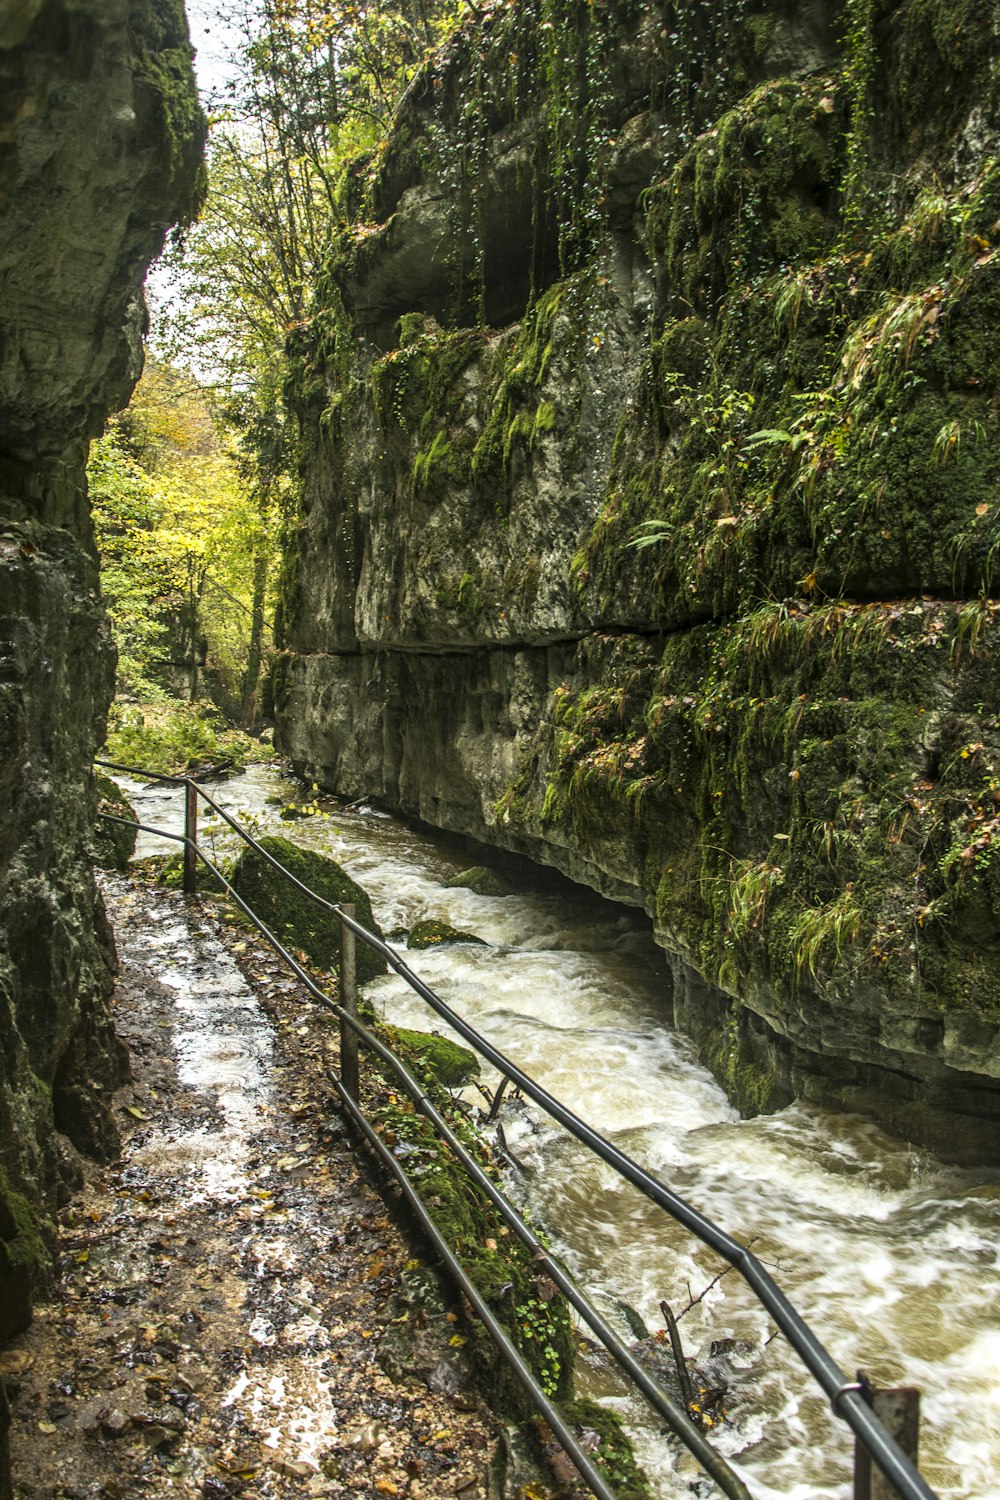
[(508, 1349), (190, 838), (675, 1417), (113, 765), (349, 1068), (522, 1371), (846, 1398), (673, 1414)]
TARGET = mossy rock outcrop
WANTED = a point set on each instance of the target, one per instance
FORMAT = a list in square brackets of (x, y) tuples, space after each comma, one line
[(434, 934), (483, 881), (522, 1297), (25, 1257), (451, 1064), (114, 844), (102, 137), (296, 920), (500, 1265)]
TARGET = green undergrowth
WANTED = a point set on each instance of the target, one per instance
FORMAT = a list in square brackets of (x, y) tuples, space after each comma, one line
[(173, 737), (612, 1451), (501, 1267), (169, 872), (521, 1296)]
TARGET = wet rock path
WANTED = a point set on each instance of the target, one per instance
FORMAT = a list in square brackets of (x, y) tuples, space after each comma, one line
[(228, 1284)]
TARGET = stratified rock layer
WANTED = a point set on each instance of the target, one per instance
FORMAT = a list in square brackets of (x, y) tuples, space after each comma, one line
[(100, 142), (720, 280)]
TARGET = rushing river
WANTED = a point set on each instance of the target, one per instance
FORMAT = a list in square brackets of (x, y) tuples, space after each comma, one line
[(891, 1256)]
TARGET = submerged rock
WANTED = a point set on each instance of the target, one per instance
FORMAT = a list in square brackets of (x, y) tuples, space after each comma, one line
[(483, 881), (434, 934)]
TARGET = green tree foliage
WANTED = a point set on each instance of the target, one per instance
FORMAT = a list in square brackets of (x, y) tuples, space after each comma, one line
[(315, 83), (182, 542)]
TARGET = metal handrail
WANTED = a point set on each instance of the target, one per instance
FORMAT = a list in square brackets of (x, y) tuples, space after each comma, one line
[(677, 1419), (847, 1398)]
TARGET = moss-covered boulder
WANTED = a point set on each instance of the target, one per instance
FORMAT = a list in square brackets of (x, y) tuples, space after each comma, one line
[(602, 1436), (113, 843), (434, 934), (449, 1062), (170, 872), (521, 1295), (483, 881), (295, 919)]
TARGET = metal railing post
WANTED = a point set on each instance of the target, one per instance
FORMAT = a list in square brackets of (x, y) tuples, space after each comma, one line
[(899, 1412), (191, 835), (349, 1073)]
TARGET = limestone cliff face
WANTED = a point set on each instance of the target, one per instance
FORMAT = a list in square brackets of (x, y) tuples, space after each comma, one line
[(100, 142), (719, 279)]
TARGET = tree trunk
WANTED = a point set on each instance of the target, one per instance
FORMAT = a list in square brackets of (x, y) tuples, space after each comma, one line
[(248, 696)]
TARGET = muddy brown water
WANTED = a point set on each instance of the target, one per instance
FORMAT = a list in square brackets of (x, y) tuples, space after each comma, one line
[(892, 1256)]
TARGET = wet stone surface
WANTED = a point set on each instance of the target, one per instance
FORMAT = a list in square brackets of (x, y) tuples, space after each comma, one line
[(227, 1284)]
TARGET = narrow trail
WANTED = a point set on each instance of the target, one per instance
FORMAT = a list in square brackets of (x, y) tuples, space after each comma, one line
[(234, 1291)]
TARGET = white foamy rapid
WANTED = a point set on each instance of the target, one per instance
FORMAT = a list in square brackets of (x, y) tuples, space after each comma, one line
[(891, 1256)]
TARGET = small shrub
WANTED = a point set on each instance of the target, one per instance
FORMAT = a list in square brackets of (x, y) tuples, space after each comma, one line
[(174, 737)]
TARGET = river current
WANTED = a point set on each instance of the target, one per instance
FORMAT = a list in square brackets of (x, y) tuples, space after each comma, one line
[(892, 1256)]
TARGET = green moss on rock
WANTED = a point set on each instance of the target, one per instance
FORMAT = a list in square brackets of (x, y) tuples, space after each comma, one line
[(170, 872), (113, 843), (495, 1259), (449, 1062), (26, 1238), (167, 103), (434, 934), (295, 919), (483, 881), (607, 1444)]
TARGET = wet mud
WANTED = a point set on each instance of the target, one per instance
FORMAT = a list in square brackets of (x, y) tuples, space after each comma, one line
[(232, 1286)]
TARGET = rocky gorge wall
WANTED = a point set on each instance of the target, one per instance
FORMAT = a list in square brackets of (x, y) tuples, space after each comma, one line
[(100, 148), (720, 280)]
